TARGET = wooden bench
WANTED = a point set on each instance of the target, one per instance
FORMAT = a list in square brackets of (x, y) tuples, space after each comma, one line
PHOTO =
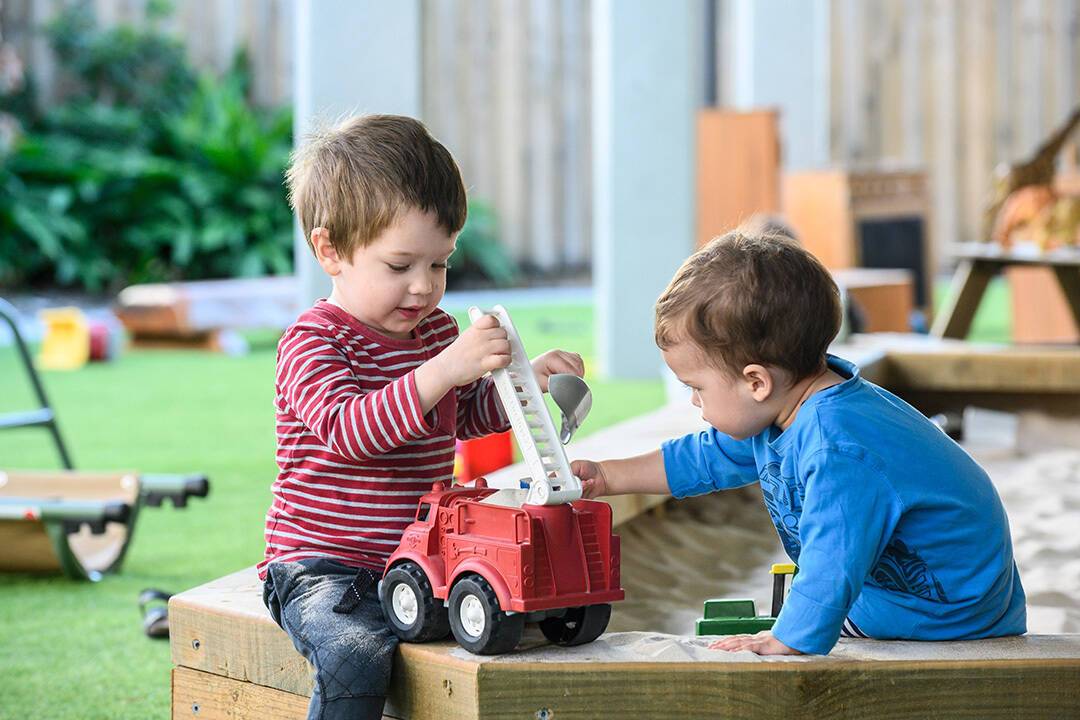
[(231, 660)]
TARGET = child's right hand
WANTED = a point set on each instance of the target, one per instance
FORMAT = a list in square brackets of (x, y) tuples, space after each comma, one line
[(482, 347), (592, 476)]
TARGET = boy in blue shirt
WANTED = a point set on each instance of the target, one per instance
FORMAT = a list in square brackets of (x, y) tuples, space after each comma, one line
[(897, 532)]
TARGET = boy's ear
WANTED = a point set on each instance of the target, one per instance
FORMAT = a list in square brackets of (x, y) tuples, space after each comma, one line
[(325, 252), (759, 381)]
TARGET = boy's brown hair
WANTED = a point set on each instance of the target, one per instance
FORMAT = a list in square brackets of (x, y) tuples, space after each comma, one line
[(357, 178), (745, 299)]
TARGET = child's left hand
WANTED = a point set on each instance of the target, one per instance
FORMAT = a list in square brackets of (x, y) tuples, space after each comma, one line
[(554, 362), (763, 643)]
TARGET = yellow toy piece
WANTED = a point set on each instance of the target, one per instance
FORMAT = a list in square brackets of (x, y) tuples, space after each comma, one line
[(67, 339), (783, 569)]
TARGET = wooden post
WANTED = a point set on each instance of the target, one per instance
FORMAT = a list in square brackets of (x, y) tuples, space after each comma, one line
[(965, 294)]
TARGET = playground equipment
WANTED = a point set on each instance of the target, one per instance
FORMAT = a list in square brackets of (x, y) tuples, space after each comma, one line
[(739, 616), (480, 562), (72, 522), (79, 524)]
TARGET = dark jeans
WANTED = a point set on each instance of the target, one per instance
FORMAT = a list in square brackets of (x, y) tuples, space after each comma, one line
[(352, 653)]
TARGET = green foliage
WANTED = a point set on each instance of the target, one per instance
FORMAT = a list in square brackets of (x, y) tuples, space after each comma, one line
[(151, 172), (146, 172), (479, 253)]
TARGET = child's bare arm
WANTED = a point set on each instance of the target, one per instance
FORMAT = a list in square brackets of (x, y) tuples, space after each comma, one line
[(639, 474)]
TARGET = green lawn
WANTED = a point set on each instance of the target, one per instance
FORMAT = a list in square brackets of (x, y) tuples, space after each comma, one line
[(73, 650), (76, 650)]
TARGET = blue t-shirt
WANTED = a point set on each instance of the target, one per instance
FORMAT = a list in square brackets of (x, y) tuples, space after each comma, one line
[(891, 523)]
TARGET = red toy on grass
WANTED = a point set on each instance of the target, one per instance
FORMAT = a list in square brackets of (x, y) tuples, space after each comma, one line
[(480, 562)]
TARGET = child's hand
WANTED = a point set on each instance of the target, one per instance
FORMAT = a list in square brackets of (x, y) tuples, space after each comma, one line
[(554, 362), (592, 476), (762, 643), (483, 346)]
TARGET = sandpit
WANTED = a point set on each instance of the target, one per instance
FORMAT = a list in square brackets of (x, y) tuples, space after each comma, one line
[(722, 545)]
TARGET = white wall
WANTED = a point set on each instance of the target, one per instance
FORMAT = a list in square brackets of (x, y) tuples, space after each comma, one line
[(780, 58), (352, 56), (647, 86)]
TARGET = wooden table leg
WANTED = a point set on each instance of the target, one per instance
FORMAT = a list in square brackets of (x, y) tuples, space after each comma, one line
[(965, 293), (1069, 278)]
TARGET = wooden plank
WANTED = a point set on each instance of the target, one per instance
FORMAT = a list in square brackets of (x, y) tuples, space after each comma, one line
[(70, 485), (977, 109), (27, 547), (966, 292), (946, 138), (891, 691), (738, 169), (223, 628), (545, 236), (966, 369), (1040, 313), (1020, 254), (912, 38), (200, 695), (512, 126), (818, 206), (575, 130), (781, 692)]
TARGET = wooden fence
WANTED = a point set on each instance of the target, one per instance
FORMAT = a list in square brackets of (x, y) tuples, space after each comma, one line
[(955, 86)]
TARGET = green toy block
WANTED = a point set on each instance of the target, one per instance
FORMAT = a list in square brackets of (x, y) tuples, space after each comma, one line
[(732, 617), (733, 608)]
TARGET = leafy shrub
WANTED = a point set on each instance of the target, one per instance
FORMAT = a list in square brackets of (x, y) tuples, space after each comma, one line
[(146, 172), (479, 255), (149, 171)]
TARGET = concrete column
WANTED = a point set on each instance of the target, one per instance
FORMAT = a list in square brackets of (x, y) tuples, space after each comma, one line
[(351, 56), (780, 59), (647, 85)]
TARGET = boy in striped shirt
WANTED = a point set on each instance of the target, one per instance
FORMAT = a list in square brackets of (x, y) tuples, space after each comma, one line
[(374, 385)]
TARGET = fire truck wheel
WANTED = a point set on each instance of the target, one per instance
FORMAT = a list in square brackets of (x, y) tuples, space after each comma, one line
[(412, 612), (478, 624), (578, 626)]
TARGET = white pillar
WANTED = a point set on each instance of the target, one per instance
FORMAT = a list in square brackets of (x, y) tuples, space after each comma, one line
[(780, 59), (647, 85), (351, 56)]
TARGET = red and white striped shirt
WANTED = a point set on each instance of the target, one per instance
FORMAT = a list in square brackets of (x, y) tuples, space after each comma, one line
[(354, 452)]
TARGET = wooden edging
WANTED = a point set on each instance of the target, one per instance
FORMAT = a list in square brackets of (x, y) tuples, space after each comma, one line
[(768, 691)]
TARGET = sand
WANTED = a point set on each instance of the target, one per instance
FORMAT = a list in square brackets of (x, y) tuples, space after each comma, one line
[(722, 545)]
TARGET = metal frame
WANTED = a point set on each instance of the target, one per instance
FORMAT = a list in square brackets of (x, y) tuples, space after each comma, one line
[(44, 416)]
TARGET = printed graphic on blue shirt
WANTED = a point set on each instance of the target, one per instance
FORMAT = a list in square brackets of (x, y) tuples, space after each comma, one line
[(901, 569), (783, 498)]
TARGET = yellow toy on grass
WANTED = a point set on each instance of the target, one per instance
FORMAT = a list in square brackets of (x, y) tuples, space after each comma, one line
[(67, 339)]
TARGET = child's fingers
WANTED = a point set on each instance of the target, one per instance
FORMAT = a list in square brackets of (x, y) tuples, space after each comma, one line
[(566, 362), (732, 643), (486, 323), (494, 361)]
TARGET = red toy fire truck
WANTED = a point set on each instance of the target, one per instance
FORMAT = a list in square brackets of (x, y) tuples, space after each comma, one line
[(480, 562)]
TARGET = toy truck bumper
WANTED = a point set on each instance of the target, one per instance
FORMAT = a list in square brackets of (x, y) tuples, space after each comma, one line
[(554, 602)]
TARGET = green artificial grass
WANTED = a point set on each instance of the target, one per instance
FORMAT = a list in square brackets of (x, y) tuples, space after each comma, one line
[(76, 650)]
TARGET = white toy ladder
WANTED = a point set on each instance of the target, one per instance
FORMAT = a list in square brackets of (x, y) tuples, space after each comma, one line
[(551, 481)]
